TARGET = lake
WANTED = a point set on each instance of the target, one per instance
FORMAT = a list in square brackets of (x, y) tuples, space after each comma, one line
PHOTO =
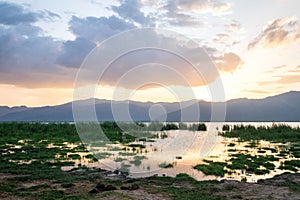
[(168, 153)]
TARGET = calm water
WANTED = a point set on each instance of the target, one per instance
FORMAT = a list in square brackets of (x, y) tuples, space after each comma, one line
[(181, 149)]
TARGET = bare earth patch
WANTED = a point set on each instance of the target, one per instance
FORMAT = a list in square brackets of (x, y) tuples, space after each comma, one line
[(275, 188)]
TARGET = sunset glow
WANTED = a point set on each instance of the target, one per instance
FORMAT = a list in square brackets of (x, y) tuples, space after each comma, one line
[(255, 46)]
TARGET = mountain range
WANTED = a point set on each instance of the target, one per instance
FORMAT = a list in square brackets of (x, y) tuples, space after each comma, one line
[(283, 107)]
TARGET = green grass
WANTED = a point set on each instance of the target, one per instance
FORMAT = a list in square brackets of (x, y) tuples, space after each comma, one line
[(291, 165), (225, 127), (275, 133), (37, 151), (169, 187), (169, 126), (165, 165), (213, 168), (231, 144), (252, 164), (137, 160), (198, 127)]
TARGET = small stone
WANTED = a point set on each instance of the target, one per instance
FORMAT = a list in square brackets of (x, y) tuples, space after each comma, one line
[(134, 186), (100, 187), (110, 187), (130, 187), (94, 191)]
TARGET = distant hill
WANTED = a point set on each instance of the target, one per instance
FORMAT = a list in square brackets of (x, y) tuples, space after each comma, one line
[(6, 110), (283, 107)]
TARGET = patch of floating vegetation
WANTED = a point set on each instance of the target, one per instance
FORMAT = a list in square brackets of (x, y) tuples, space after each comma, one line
[(212, 168), (231, 144), (137, 160), (264, 152), (292, 165), (166, 165), (275, 133)]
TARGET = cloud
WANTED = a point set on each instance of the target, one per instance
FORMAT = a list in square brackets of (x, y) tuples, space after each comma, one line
[(75, 51), (221, 38), (256, 91), (27, 58), (286, 76), (279, 67), (229, 62), (174, 16), (13, 14), (131, 9), (22, 47), (235, 27), (153, 62), (185, 13), (289, 79), (89, 31), (279, 32), (30, 59), (98, 29), (50, 15), (204, 6)]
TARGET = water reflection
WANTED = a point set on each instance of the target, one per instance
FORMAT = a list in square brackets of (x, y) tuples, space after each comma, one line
[(179, 150), (170, 153)]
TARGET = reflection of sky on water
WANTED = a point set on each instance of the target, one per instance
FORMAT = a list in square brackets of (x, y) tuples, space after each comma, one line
[(184, 149)]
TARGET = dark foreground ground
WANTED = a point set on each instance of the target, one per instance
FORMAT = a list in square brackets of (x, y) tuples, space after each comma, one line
[(96, 184)]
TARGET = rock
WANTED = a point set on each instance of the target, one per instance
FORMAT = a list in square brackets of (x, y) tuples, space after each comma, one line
[(94, 191), (110, 187), (282, 180), (228, 181), (133, 186), (120, 173), (125, 174), (102, 187)]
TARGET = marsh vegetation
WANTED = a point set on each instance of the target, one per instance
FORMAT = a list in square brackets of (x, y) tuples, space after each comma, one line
[(49, 160)]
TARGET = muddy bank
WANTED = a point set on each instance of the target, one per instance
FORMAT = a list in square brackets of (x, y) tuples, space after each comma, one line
[(102, 184)]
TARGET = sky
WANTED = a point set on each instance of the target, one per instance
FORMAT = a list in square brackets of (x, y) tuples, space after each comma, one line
[(254, 46)]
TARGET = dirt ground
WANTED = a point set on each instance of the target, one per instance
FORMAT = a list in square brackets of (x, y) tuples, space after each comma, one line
[(278, 187)]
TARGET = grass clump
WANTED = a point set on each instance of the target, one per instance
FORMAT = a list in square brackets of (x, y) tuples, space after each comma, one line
[(169, 126), (213, 168), (165, 165), (291, 165), (252, 164), (275, 133), (225, 127)]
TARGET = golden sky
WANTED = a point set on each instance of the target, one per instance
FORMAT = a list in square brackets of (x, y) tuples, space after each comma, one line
[(254, 46)]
